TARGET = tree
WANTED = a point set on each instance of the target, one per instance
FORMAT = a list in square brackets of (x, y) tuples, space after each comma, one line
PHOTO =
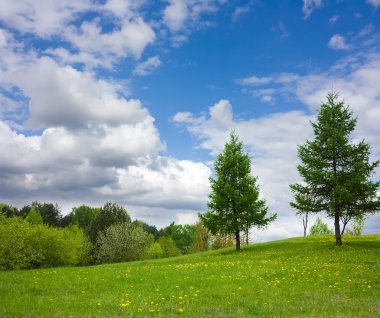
[(320, 228), (8, 210), (83, 216), (110, 213), (201, 238), (303, 202), (34, 217), (168, 246), (336, 172), (50, 213), (357, 226), (183, 236), (122, 242), (234, 203)]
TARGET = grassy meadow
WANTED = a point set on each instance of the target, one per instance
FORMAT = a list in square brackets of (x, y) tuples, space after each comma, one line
[(299, 277)]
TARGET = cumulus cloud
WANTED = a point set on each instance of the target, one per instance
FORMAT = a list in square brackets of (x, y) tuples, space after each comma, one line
[(43, 18), (148, 66), (338, 42), (130, 39)]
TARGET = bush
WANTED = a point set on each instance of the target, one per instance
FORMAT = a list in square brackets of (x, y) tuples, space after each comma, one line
[(320, 228), (168, 246), (27, 245), (154, 251), (15, 250), (121, 242)]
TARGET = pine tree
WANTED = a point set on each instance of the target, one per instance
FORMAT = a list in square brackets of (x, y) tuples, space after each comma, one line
[(336, 172), (234, 202)]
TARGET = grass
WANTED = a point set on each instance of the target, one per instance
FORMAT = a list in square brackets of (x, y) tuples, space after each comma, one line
[(299, 277)]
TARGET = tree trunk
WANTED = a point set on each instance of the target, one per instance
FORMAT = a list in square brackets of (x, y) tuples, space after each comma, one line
[(247, 235), (237, 237), (338, 237), (304, 221)]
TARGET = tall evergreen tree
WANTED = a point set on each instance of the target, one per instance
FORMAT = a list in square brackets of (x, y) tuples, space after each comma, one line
[(336, 172), (234, 202)]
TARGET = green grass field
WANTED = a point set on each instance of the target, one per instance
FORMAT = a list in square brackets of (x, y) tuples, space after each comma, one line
[(300, 277)]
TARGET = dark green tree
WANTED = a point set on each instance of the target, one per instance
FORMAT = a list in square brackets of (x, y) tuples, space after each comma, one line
[(51, 213), (234, 203), (8, 210), (110, 213), (336, 173)]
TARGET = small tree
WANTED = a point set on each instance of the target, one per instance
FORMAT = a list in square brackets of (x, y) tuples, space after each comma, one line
[(110, 213), (122, 242), (336, 172), (320, 228), (234, 204)]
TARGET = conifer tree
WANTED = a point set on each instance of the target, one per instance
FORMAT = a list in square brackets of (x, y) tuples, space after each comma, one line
[(336, 173), (234, 202)]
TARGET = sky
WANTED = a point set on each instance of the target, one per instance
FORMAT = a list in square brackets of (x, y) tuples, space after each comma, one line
[(130, 101)]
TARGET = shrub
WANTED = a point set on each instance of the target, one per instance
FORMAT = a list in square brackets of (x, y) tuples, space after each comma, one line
[(320, 228), (27, 245), (121, 242)]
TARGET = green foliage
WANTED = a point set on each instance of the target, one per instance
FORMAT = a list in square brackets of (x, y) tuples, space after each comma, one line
[(336, 172), (154, 251), (109, 214), (234, 205), (15, 249), (201, 238), (183, 236), (50, 213), (320, 228), (168, 246), (83, 216), (34, 217), (8, 210), (357, 226), (26, 245), (121, 242)]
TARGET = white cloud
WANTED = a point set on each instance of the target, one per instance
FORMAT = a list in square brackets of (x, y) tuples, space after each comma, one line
[(186, 218), (130, 39), (43, 17), (184, 15), (309, 6), (148, 66), (374, 3), (338, 42), (239, 12), (334, 19), (175, 14)]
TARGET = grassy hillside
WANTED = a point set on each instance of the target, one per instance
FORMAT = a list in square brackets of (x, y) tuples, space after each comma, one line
[(300, 277)]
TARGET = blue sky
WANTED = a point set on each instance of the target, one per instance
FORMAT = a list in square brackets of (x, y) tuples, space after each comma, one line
[(130, 101)]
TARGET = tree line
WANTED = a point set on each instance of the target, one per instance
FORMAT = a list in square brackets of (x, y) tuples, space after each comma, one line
[(336, 179), (37, 235)]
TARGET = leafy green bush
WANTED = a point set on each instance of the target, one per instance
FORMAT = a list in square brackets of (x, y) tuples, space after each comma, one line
[(320, 228), (27, 245), (15, 249), (121, 242)]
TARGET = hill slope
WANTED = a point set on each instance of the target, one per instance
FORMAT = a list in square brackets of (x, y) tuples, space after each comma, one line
[(300, 277)]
